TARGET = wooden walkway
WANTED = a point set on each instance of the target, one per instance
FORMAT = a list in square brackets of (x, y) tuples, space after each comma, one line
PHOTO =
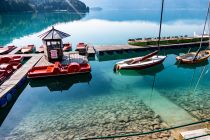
[(17, 76), (91, 51), (119, 48)]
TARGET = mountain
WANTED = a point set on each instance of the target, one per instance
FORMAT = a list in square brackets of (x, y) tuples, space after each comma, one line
[(42, 5)]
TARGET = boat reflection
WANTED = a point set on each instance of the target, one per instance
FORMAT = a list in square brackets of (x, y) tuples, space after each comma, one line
[(149, 71), (193, 66), (60, 83)]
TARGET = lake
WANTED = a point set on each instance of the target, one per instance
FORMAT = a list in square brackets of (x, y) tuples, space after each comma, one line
[(107, 102)]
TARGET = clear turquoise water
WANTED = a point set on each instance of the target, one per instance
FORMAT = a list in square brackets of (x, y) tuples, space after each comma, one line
[(106, 102)]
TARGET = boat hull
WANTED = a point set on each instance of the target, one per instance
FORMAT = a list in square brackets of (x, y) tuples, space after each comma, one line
[(58, 70), (141, 66)]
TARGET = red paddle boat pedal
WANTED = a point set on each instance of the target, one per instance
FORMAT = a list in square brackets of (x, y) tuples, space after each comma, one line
[(57, 70)]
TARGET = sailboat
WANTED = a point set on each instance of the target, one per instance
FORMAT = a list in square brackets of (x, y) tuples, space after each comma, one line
[(146, 61), (199, 56)]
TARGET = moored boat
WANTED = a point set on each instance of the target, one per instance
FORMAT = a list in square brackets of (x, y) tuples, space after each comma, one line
[(57, 70), (140, 62), (67, 47), (11, 59), (28, 49), (82, 48), (146, 61), (198, 56), (40, 49), (6, 50), (192, 58)]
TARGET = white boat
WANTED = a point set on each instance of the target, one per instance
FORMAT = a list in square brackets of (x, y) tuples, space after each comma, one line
[(144, 62)]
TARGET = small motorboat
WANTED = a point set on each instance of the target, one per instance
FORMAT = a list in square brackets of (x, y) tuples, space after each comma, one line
[(144, 62), (67, 47), (57, 70), (191, 58), (82, 48), (6, 50), (28, 49), (40, 49)]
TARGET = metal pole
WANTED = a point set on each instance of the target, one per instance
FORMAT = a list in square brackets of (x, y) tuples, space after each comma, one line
[(161, 19)]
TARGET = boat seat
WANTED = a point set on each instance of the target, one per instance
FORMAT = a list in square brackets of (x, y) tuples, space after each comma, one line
[(50, 69), (73, 67)]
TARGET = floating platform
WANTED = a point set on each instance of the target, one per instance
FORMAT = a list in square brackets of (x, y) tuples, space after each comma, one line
[(100, 50)]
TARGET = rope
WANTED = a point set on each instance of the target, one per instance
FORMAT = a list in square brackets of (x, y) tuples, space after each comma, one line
[(144, 133), (200, 78)]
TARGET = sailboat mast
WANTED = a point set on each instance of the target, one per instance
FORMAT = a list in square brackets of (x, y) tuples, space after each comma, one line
[(207, 17), (161, 19)]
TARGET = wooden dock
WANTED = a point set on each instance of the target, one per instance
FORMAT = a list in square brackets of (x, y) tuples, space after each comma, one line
[(121, 48), (91, 51), (12, 83)]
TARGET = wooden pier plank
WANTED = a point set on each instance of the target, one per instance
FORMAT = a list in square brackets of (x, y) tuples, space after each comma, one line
[(107, 48)]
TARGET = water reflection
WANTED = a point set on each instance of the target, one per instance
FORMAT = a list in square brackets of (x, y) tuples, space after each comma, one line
[(61, 83), (187, 66), (5, 111), (18, 25)]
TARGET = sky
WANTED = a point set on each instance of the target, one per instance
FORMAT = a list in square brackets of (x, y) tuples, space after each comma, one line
[(146, 4)]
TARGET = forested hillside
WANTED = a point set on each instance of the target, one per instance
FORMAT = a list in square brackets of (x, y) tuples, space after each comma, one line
[(42, 5)]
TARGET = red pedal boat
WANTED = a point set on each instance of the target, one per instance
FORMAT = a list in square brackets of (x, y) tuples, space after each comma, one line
[(67, 47), (8, 68), (28, 49), (57, 69), (82, 48), (40, 49), (6, 50), (11, 59), (4, 74)]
